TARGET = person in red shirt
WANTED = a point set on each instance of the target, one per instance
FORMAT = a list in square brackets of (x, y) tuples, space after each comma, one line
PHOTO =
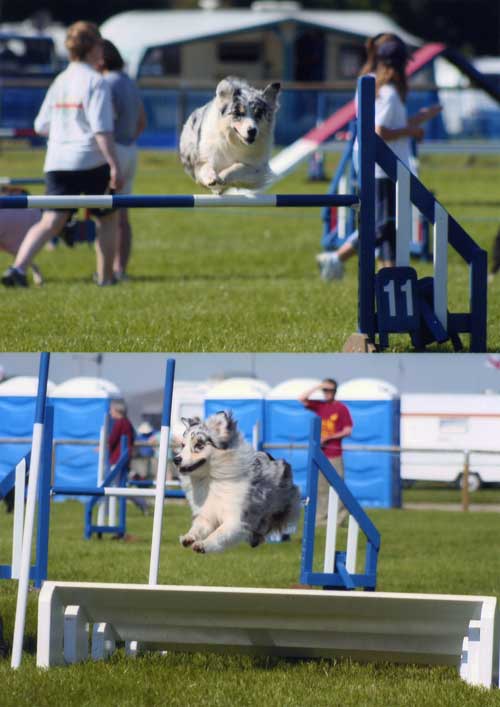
[(336, 424), (121, 426)]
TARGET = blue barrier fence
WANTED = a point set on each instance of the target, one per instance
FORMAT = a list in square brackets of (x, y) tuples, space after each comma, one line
[(167, 110)]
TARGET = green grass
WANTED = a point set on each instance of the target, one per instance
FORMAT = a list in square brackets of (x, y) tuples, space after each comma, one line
[(234, 280), (421, 552)]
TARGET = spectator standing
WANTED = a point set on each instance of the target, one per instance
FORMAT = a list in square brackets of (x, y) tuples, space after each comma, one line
[(77, 117), (122, 427), (129, 123), (387, 56), (336, 423)]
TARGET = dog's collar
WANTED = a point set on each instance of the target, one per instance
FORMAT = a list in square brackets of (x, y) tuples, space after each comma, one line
[(193, 467)]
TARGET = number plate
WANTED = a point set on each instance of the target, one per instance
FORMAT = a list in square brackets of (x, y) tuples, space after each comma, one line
[(397, 302)]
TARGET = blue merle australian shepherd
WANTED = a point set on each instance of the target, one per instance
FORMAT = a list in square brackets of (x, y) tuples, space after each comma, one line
[(235, 493), (228, 142)]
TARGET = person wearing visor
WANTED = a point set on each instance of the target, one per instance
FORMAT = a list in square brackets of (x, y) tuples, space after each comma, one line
[(387, 57), (336, 423)]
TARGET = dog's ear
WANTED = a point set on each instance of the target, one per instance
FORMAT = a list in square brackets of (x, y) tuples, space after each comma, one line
[(225, 89), (270, 93), (190, 421), (222, 426)]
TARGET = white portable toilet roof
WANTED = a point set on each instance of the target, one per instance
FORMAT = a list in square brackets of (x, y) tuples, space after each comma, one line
[(87, 387), (367, 389), (24, 386), (293, 388), (238, 389)]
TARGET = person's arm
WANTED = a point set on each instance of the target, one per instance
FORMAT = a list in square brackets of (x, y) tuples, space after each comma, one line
[(141, 122), (389, 134), (42, 120), (106, 144), (304, 398), (99, 111), (425, 114), (344, 432)]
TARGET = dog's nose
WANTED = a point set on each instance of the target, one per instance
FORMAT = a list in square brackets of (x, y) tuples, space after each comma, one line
[(251, 133), (177, 460)]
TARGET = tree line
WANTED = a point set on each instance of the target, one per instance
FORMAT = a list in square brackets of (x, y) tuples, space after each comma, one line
[(472, 26)]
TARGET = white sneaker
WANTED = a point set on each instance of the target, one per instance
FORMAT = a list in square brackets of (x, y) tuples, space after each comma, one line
[(330, 266)]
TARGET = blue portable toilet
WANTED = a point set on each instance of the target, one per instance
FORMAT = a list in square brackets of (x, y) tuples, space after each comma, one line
[(245, 397), (372, 477), (80, 408), (17, 414), (287, 422)]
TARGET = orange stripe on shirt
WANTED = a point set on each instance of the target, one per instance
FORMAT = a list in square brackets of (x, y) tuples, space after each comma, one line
[(69, 105)]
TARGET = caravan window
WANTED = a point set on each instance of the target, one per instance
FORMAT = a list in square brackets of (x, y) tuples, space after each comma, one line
[(451, 427), (161, 61), (239, 52)]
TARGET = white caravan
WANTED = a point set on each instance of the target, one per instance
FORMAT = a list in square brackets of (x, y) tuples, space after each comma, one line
[(450, 422)]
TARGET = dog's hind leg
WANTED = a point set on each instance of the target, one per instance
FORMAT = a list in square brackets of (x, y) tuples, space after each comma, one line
[(225, 536)]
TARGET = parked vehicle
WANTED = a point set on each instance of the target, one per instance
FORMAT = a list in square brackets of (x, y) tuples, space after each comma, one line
[(451, 422)]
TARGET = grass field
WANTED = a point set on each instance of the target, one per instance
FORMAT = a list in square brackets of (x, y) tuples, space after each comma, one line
[(421, 551), (234, 280)]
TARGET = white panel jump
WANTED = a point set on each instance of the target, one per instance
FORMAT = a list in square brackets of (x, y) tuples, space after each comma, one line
[(426, 629)]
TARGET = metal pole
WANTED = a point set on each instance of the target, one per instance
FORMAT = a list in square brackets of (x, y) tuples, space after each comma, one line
[(162, 472), (465, 481), (36, 453)]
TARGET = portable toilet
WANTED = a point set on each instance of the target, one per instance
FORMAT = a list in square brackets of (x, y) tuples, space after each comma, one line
[(287, 422), (80, 408), (372, 477), (17, 414), (245, 397)]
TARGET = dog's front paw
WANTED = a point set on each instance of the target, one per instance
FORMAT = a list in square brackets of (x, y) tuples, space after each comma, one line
[(186, 540), (199, 547)]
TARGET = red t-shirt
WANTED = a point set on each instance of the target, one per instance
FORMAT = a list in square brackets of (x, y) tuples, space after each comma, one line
[(121, 426), (335, 417)]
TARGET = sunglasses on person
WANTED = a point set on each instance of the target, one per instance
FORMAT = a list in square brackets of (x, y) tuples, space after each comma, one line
[(328, 390)]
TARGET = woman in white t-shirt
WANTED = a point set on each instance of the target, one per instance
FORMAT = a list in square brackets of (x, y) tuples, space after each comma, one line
[(77, 117), (387, 56)]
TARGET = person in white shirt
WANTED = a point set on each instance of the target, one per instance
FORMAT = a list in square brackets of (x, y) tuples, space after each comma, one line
[(77, 117), (387, 57)]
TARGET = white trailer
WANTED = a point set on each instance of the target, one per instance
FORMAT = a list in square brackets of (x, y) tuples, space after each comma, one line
[(465, 423)]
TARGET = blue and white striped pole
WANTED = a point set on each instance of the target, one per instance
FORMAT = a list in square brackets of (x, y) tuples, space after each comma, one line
[(170, 201), (161, 475), (36, 455)]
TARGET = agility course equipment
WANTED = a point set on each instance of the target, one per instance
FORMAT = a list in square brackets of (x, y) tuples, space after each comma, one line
[(19, 181), (391, 301), (339, 567), (175, 201), (339, 225), (394, 300), (405, 628), (426, 629), (35, 466), (16, 480)]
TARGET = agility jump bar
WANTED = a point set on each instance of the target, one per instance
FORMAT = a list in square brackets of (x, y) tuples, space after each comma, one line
[(169, 201)]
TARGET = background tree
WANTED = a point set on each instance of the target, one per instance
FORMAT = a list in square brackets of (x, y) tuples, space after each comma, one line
[(470, 25)]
